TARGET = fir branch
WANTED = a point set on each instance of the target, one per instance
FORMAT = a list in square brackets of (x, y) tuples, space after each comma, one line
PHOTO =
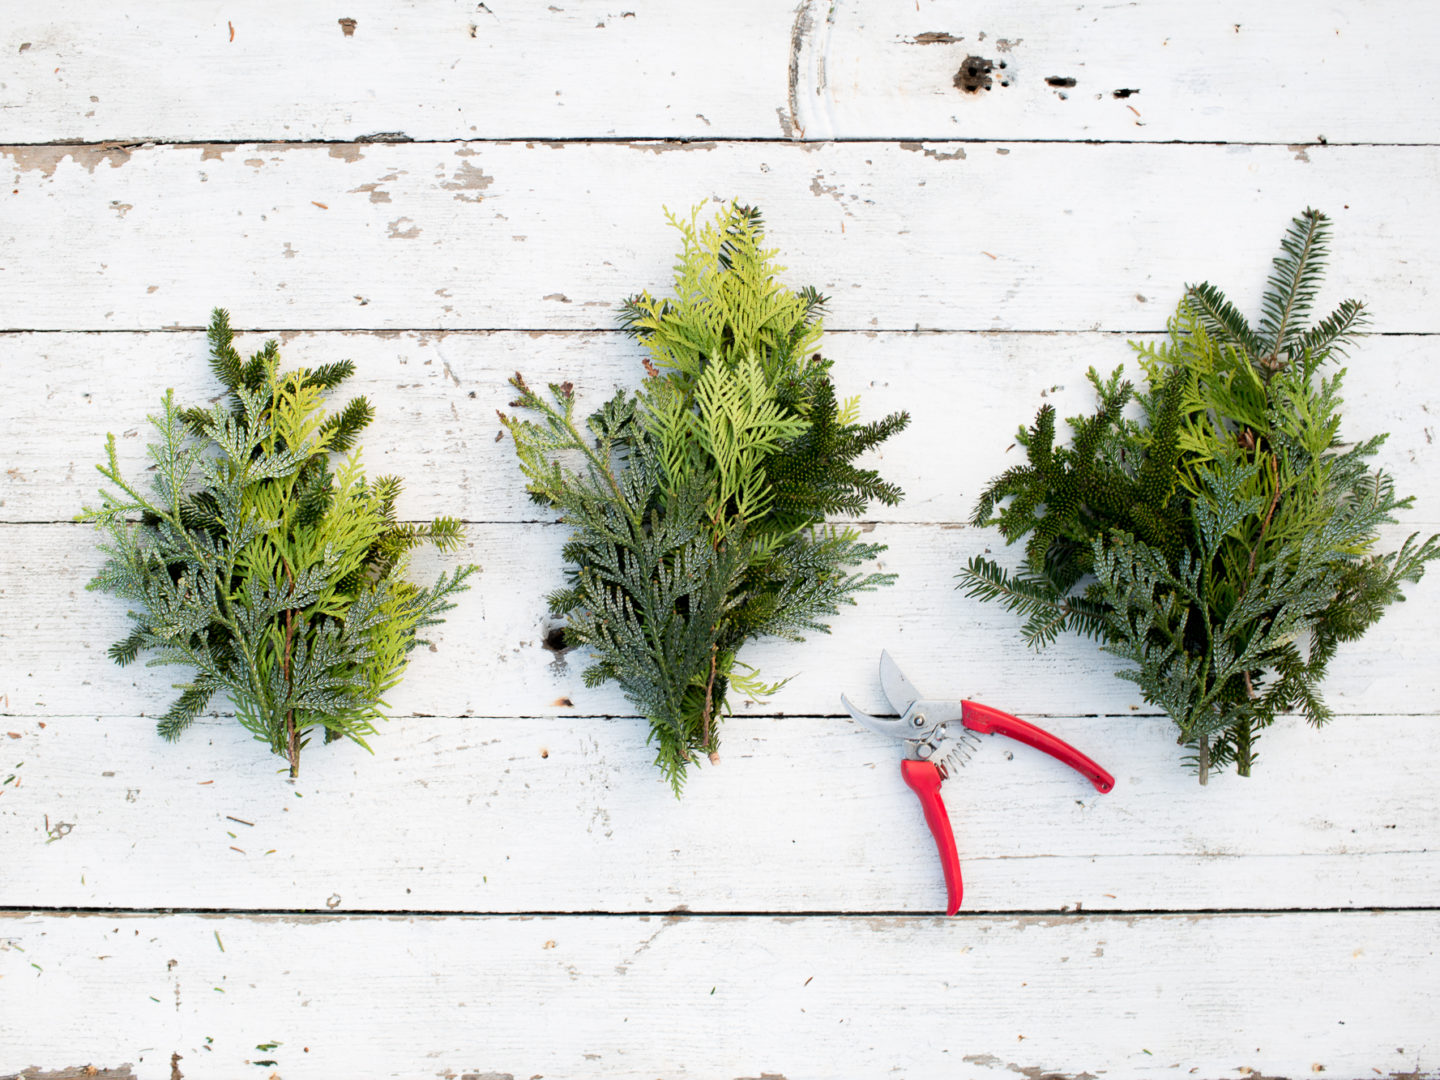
[(1333, 334), (344, 427), (1048, 611), (1221, 318), (225, 362), (329, 376), (1293, 282), (183, 711)]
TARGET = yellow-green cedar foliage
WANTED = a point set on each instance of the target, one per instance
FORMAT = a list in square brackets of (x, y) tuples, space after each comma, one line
[(700, 502), (261, 561)]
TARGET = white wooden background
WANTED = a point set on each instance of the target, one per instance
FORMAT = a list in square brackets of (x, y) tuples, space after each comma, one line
[(446, 191)]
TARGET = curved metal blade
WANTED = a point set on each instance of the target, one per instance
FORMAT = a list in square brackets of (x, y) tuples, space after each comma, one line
[(898, 689), (892, 726)]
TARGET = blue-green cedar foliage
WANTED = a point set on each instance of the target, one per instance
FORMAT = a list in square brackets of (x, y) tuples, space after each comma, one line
[(1221, 537), (259, 560), (698, 502)]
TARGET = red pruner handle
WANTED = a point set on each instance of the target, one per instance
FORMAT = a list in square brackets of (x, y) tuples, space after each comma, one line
[(984, 719), (923, 778)]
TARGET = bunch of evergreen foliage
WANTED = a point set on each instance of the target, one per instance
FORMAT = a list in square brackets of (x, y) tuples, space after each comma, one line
[(699, 504), (274, 572), (1222, 541)]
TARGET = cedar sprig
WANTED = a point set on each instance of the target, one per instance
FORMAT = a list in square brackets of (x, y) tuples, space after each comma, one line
[(698, 503), (268, 567)]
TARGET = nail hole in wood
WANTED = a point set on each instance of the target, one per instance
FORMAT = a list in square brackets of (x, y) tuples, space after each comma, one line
[(974, 75)]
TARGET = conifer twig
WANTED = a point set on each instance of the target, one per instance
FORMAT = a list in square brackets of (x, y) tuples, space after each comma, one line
[(264, 565), (1264, 525), (1172, 512), (700, 522), (709, 705)]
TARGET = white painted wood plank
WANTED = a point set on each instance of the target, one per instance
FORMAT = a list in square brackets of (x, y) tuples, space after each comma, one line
[(805, 813), (455, 69), (436, 395), (1128, 997), (491, 660), (1230, 72), (510, 236), (801, 815), (1283, 72)]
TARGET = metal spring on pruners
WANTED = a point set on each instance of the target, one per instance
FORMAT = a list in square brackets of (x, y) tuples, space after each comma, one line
[(953, 752)]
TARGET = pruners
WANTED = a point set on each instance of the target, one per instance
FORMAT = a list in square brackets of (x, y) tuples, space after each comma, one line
[(937, 743)]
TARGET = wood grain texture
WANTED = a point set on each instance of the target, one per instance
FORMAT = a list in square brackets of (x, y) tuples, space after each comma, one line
[(802, 815), (436, 395), (1281, 72), (533, 236), (977, 998)]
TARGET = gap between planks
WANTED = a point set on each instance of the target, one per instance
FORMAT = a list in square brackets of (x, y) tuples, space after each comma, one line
[(701, 143), (388, 332), (1070, 915)]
